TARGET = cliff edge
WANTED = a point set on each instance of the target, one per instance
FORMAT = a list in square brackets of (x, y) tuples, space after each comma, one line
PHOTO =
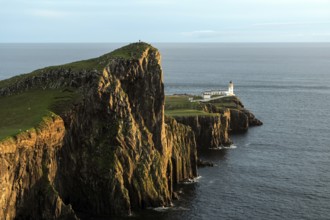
[(212, 121), (97, 143)]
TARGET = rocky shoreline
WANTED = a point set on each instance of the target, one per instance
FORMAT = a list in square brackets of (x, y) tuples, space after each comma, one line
[(112, 151), (212, 129)]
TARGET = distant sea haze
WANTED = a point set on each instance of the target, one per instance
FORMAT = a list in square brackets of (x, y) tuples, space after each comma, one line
[(280, 170)]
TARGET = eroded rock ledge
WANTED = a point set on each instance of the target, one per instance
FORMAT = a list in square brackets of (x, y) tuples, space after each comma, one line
[(214, 121)]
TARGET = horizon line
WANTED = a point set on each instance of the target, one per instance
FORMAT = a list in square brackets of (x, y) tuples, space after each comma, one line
[(168, 42)]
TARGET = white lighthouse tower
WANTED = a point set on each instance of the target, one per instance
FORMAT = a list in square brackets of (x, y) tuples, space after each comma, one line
[(230, 89)]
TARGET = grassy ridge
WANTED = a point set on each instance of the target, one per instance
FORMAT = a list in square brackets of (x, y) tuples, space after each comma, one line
[(232, 102), (179, 105), (188, 112), (131, 51), (24, 111), (175, 102)]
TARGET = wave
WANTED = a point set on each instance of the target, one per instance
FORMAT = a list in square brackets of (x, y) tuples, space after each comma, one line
[(224, 147), (167, 208), (191, 180), (161, 208)]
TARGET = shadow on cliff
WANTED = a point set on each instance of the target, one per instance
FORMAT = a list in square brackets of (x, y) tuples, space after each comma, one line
[(212, 155), (181, 207)]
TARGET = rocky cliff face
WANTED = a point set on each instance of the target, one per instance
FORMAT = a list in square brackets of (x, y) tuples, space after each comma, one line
[(109, 154), (213, 131), (240, 119), (181, 140), (28, 168), (210, 131)]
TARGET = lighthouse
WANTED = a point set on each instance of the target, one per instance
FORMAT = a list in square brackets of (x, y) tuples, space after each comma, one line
[(230, 89)]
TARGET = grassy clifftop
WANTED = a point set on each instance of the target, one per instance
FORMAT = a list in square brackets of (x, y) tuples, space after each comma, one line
[(25, 108), (22, 111), (129, 52), (179, 105)]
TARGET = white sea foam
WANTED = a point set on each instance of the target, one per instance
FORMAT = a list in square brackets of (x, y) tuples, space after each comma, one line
[(167, 208), (180, 208), (193, 180), (160, 209), (224, 147)]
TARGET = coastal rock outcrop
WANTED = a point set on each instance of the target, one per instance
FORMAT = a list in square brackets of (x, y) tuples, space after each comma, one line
[(213, 130), (253, 121), (239, 121), (28, 168), (109, 153), (181, 139), (210, 131)]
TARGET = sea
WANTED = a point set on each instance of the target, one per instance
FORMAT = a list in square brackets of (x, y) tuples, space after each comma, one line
[(280, 170)]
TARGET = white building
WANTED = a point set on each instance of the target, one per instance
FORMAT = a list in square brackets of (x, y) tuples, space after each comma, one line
[(229, 92)]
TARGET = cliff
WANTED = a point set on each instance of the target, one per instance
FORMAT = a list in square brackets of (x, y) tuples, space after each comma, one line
[(210, 131), (213, 121), (105, 148), (181, 140), (28, 166), (240, 119)]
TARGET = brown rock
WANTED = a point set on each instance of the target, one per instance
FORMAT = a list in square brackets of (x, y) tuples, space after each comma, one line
[(110, 153)]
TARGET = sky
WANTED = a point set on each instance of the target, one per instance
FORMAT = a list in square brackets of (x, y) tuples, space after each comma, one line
[(45, 21)]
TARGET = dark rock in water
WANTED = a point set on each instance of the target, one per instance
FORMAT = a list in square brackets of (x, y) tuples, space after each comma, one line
[(175, 196), (189, 180), (239, 121), (253, 121), (202, 163)]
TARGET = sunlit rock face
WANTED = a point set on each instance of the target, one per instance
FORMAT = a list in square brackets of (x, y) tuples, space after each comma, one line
[(108, 154)]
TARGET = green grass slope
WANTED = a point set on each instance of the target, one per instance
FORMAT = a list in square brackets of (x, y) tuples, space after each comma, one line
[(23, 111), (131, 51), (179, 105)]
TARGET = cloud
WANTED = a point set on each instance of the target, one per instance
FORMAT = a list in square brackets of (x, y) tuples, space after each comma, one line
[(287, 2), (321, 34), (45, 13), (200, 33), (153, 2), (289, 23)]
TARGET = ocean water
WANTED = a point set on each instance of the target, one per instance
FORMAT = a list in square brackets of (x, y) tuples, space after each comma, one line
[(280, 170)]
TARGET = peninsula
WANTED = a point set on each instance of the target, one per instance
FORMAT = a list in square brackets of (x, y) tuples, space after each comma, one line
[(212, 118), (99, 136)]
